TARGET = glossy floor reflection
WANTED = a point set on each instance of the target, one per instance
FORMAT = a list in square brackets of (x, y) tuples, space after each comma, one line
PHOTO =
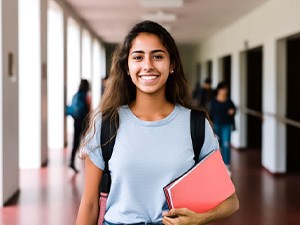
[(50, 196), (265, 199)]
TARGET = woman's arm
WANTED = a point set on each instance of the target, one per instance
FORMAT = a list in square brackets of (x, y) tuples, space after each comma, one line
[(185, 216), (89, 205)]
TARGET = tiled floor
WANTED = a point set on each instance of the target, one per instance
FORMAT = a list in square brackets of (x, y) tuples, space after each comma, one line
[(265, 199), (51, 196)]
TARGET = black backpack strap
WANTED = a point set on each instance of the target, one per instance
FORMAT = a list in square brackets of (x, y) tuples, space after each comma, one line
[(197, 131), (108, 138)]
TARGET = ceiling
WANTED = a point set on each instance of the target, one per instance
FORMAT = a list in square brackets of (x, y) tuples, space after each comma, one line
[(193, 21)]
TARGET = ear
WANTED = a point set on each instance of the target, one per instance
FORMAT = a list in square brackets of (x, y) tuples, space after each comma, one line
[(172, 68)]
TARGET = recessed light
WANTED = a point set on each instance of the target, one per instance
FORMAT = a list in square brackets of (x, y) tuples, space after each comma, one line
[(161, 3), (160, 16)]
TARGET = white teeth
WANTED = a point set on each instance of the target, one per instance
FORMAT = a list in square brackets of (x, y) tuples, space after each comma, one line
[(148, 77)]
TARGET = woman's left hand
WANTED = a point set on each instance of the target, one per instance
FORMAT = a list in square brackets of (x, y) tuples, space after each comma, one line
[(182, 216), (185, 216)]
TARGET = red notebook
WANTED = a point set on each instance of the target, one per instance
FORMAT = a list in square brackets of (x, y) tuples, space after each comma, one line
[(203, 187)]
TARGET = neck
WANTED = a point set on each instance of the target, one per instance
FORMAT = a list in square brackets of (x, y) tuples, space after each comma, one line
[(151, 107)]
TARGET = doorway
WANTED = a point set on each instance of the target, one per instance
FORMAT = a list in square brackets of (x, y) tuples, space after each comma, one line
[(292, 106), (226, 72), (209, 69), (254, 97), (198, 73)]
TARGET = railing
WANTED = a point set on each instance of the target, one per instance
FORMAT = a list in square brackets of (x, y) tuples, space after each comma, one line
[(261, 116), (252, 112)]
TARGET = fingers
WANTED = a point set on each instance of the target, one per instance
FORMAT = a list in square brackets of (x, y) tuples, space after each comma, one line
[(169, 220), (181, 216), (170, 213), (176, 212)]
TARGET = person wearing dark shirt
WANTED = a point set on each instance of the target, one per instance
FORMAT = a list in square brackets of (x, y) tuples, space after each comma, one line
[(222, 111), (81, 104)]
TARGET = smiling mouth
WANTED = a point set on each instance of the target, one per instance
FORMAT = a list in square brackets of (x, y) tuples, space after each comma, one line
[(148, 77)]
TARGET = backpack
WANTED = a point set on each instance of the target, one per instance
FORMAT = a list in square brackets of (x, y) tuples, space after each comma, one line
[(108, 138), (79, 108)]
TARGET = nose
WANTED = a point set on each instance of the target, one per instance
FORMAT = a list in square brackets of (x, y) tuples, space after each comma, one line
[(148, 64)]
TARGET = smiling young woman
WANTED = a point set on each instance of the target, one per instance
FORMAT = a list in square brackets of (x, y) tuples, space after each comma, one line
[(147, 96)]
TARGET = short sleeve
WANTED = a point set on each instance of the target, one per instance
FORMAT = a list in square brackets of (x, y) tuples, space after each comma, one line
[(93, 146), (210, 141)]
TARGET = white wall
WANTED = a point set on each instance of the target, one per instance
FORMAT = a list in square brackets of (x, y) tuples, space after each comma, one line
[(187, 55), (263, 26)]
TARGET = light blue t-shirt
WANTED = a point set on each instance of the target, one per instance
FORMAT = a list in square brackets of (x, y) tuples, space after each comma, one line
[(147, 156)]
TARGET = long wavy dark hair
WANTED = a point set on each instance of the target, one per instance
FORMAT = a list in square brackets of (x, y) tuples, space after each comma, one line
[(120, 90)]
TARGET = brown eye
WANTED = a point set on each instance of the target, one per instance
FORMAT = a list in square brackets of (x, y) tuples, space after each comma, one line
[(137, 57), (158, 57)]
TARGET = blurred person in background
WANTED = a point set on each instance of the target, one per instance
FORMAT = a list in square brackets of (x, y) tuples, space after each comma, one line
[(222, 111), (79, 110)]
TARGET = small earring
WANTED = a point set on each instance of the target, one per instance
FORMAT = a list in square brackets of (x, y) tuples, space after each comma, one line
[(172, 71)]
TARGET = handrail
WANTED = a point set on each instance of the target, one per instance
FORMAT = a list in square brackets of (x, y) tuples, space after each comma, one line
[(261, 116), (252, 112), (285, 120)]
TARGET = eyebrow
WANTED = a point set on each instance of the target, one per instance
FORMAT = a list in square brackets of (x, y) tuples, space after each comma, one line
[(153, 51)]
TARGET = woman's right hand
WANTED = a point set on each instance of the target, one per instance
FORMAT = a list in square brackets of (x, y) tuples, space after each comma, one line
[(89, 205), (231, 112)]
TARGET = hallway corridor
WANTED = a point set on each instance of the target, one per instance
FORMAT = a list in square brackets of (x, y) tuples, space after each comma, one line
[(51, 196)]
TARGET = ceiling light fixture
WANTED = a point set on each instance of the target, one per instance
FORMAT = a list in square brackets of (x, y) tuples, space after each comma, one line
[(160, 16), (161, 3)]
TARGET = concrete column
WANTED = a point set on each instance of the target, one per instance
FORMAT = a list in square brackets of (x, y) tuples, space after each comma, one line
[(9, 105), (273, 156), (33, 83), (238, 93), (215, 72), (281, 80)]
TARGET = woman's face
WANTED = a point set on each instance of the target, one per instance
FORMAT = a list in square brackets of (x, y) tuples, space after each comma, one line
[(149, 64)]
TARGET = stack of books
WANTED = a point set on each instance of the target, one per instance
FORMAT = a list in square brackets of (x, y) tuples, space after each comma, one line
[(203, 187)]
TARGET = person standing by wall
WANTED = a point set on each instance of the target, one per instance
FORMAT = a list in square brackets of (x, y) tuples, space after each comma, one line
[(79, 110), (222, 111)]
